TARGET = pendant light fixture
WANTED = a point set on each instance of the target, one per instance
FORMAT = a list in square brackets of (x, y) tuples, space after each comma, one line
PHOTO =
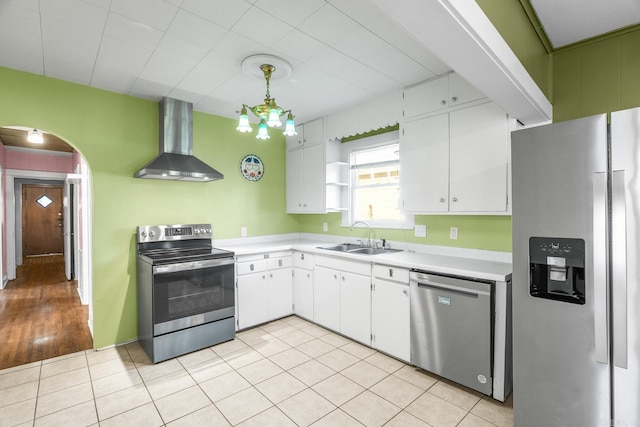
[(268, 113)]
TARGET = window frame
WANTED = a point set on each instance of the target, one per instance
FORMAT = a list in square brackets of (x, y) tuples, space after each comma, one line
[(377, 141)]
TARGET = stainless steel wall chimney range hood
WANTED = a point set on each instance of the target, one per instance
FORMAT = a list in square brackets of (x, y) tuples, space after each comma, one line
[(176, 160)]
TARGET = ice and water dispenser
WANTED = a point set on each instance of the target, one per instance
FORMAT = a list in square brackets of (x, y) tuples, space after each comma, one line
[(557, 269)]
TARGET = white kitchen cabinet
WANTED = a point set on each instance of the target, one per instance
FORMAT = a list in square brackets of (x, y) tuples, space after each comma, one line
[(306, 186), (449, 91), (308, 134), (424, 165), (456, 162), (390, 311), (251, 292), (264, 288), (326, 297), (303, 284), (342, 296), (355, 307)]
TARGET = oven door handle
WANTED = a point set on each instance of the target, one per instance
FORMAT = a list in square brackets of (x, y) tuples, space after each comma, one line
[(192, 265)]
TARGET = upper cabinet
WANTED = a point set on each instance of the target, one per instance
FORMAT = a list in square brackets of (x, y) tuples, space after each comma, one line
[(439, 94), (455, 157), (309, 133)]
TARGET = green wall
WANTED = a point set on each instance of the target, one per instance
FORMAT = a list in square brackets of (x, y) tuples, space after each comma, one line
[(117, 135), (597, 76)]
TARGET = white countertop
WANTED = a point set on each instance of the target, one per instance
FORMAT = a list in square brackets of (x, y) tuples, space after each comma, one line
[(476, 265)]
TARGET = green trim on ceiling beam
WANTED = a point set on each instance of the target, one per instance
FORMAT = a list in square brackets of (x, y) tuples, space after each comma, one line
[(371, 133)]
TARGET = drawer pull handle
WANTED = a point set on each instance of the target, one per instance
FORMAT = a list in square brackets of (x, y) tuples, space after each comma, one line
[(251, 267), (391, 272)]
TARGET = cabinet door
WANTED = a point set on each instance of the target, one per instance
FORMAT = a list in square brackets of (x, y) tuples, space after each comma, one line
[(390, 318), (355, 307), (314, 132), (313, 180), (424, 165), (461, 91), (294, 180), (303, 293), (479, 159), (279, 293), (426, 97), (326, 297), (252, 297)]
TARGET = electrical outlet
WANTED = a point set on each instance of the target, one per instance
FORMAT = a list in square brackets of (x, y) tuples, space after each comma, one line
[(243, 232), (453, 234), (325, 226), (420, 230)]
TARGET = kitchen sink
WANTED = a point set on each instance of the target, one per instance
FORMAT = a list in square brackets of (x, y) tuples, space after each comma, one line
[(352, 248)]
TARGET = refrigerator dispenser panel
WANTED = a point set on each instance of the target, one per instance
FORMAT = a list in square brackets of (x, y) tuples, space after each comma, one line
[(557, 269)]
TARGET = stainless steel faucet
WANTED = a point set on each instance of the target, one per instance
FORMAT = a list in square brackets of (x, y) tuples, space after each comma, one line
[(368, 231)]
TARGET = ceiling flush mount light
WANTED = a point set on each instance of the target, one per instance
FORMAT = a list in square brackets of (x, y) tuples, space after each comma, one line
[(35, 136), (268, 113)]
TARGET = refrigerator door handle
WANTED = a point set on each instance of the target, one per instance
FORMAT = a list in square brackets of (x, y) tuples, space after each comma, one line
[(600, 295), (619, 268)]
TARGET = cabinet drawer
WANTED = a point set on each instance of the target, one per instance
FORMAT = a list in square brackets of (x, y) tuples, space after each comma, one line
[(279, 262), (343, 264), (303, 260), (251, 267), (387, 272)]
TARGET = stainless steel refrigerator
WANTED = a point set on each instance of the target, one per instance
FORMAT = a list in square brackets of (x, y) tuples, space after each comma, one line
[(576, 272)]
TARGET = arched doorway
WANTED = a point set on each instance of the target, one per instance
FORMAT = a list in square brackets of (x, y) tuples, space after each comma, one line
[(56, 164)]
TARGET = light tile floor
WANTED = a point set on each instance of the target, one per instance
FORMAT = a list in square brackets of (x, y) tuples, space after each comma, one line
[(285, 373)]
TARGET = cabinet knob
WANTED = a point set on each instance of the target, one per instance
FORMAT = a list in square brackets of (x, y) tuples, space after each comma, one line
[(271, 275), (343, 279), (302, 257), (443, 102), (404, 291), (305, 205), (454, 99), (299, 205), (335, 276), (251, 267), (308, 276), (455, 199), (441, 199)]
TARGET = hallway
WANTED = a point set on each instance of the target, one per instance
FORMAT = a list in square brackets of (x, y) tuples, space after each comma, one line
[(41, 315)]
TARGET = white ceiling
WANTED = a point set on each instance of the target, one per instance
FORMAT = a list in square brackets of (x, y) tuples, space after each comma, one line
[(343, 52), (570, 21)]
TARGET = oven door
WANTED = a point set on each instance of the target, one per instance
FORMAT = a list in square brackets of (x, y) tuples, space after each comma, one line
[(187, 294)]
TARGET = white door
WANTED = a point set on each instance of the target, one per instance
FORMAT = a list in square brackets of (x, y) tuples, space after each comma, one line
[(390, 318), (280, 293), (252, 300), (326, 297), (313, 179), (424, 162), (303, 292), (355, 307), (479, 159)]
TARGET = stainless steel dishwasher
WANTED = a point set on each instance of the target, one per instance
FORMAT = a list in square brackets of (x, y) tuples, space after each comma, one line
[(452, 328)]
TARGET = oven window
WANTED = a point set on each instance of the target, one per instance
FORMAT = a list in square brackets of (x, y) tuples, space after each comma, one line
[(187, 293)]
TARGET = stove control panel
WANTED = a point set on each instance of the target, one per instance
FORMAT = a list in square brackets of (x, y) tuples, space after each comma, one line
[(162, 233)]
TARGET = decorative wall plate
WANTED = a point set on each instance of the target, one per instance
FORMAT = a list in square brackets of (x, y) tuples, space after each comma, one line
[(251, 167)]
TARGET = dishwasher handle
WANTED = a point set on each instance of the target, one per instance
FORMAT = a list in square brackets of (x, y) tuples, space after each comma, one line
[(450, 288)]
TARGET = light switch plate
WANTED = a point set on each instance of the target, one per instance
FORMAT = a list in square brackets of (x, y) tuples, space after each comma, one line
[(420, 230), (243, 232), (453, 234), (325, 226)]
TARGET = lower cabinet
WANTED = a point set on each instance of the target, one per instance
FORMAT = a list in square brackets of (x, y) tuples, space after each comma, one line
[(390, 311), (342, 297), (303, 284), (264, 288)]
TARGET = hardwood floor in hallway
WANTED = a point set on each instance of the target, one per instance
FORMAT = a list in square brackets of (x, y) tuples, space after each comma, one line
[(41, 315)]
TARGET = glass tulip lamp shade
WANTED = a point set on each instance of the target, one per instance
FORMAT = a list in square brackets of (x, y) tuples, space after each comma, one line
[(262, 130), (243, 121), (290, 126)]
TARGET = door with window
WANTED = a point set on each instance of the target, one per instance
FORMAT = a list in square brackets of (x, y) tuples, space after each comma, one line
[(42, 220)]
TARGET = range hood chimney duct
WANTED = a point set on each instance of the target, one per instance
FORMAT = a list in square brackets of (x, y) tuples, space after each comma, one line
[(176, 160)]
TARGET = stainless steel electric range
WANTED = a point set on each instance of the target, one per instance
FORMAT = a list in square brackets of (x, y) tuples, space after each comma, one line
[(186, 298)]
